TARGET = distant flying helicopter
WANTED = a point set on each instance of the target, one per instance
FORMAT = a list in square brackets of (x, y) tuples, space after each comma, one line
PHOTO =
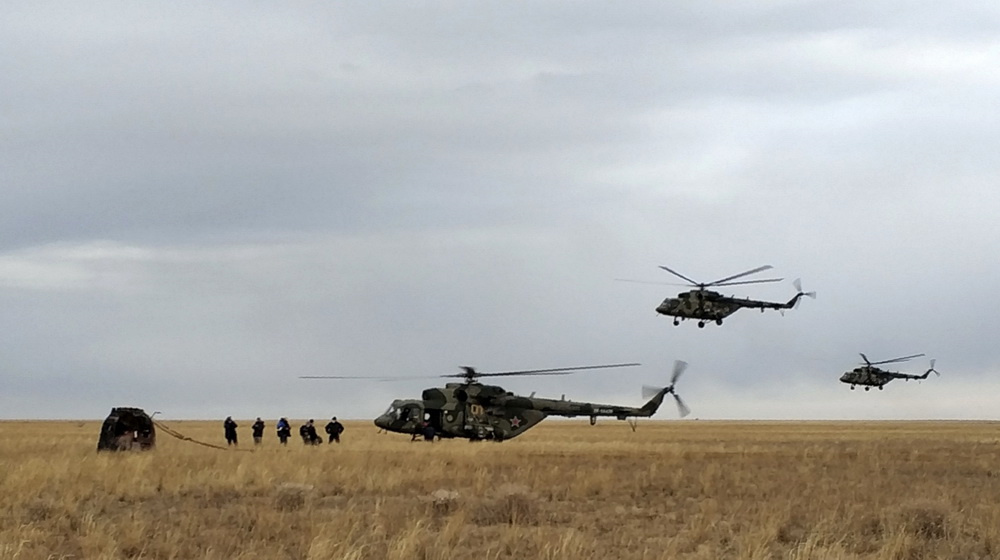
[(870, 376), (707, 305), (475, 411)]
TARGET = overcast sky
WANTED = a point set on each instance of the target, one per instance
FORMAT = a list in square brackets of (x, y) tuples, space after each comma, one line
[(202, 202)]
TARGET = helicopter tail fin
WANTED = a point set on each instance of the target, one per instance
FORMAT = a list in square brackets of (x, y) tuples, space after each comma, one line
[(655, 395)]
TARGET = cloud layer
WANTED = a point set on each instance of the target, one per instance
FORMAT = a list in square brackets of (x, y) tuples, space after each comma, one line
[(203, 202)]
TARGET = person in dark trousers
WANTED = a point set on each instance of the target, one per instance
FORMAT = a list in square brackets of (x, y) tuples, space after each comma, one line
[(258, 431), (284, 431), (334, 429), (308, 433), (428, 431), (230, 427)]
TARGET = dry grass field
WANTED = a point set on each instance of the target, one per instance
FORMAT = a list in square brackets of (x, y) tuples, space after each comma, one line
[(689, 489)]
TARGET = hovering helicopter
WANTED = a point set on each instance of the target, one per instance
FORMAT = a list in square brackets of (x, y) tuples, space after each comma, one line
[(707, 305), (475, 411), (870, 376)]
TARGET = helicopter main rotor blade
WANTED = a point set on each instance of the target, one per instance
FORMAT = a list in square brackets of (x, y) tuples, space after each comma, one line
[(740, 275), (741, 282), (894, 360), (550, 371), (373, 378), (649, 282), (865, 358), (681, 276)]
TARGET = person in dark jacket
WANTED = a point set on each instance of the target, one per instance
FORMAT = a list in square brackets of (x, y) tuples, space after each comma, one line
[(284, 431), (230, 427), (334, 429), (258, 431), (308, 433)]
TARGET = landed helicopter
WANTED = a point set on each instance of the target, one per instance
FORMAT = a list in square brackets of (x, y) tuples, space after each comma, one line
[(868, 375), (475, 411), (707, 305)]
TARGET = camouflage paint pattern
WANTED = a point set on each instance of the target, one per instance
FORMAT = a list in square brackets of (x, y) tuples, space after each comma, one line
[(488, 412), (871, 376), (707, 306)]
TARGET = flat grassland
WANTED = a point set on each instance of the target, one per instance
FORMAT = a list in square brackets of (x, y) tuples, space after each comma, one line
[(672, 489)]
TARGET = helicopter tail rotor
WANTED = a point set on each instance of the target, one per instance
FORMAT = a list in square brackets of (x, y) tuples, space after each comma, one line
[(657, 393), (799, 293), (936, 372)]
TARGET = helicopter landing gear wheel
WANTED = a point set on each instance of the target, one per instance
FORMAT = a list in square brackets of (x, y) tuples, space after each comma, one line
[(879, 387), (852, 387), (701, 324), (868, 388), (677, 322), (718, 321)]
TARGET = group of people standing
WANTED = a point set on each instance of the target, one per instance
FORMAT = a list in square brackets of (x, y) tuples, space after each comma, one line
[(307, 431)]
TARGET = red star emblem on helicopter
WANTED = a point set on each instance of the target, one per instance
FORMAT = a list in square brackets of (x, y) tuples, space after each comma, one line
[(515, 422)]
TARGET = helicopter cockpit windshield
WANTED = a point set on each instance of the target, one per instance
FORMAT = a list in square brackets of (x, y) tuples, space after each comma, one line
[(400, 412)]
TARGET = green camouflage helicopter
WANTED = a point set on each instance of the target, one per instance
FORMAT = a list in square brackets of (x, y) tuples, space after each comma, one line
[(707, 305), (475, 411), (870, 376)]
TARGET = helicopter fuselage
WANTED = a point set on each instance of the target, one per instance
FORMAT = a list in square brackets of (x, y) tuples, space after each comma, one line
[(486, 412), (870, 376), (707, 305)]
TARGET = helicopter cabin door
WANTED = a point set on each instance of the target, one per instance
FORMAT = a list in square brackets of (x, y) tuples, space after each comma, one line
[(477, 423), (433, 418)]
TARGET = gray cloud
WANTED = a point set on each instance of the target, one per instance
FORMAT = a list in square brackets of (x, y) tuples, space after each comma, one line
[(201, 203)]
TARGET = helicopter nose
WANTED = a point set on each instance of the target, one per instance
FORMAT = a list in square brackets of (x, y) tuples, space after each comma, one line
[(382, 422)]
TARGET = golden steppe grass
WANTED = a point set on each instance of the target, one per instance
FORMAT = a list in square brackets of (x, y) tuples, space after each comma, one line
[(671, 489)]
